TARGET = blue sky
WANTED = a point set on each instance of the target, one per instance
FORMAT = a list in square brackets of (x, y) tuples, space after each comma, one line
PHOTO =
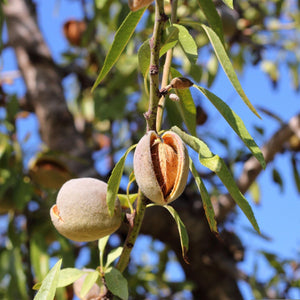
[(278, 212)]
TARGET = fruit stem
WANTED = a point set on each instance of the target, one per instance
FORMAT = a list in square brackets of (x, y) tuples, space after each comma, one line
[(166, 71), (155, 41), (133, 232)]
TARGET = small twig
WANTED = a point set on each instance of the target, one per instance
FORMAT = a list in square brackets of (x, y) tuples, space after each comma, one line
[(132, 233), (160, 19), (166, 71), (150, 116)]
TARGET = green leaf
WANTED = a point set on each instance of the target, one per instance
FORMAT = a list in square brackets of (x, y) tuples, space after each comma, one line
[(49, 284), (254, 191), (113, 255), (217, 165), (68, 275), (186, 105), (207, 205), (187, 43), (170, 41), (296, 173), (39, 256), (124, 199), (229, 3), (88, 282), (121, 39), (235, 122), (277, 179), (184, 238), (227, 66), (144, 57), (101, 246), (116, 283), (114, 181), (212, 17)]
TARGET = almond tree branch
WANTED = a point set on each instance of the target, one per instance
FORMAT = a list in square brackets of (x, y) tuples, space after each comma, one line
[(155, 41), (252, 167), (44, 90)]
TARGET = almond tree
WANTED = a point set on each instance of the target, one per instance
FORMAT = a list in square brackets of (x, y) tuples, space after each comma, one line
[(136, 94)]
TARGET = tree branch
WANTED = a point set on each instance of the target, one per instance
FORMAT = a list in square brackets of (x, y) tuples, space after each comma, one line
[(44, 89)]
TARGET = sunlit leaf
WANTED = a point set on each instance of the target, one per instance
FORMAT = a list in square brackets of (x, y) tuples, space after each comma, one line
[(235, 122), (254, 191), (187, 43), (113, 255), (227, 66), (144, 57), (49, 284), (125, 198), (207, 205), (186, 105), (229, 3), (212, 17), (88, 282), (68, 275), (217, 165), (121, 39), (116, 283), (114, 181), (101, 246), (184, 238)]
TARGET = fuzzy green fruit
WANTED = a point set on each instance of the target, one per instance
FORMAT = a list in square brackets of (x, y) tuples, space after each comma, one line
[(81, 213)]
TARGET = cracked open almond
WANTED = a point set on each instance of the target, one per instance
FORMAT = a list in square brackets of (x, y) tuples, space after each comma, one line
[(161, 166), (81, 213)]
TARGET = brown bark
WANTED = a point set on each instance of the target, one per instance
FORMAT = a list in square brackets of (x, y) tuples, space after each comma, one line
[(212, 265)]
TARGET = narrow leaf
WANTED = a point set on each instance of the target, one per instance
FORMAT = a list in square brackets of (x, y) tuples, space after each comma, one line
[(186, 105), (184, 238), (235, 122), (207, 205), (254, 191), (88, 282), (229, 3), (114, 181), (296, 173), (212, 17), (187, 43), (227, 66), (49, 284), (68, 275), (116, 283), (144, 57), (125, 198), (121, 39), (217, 165), (113, 255), (101, 246)]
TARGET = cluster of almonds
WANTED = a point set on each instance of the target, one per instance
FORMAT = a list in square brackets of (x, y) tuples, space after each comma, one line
[(161, 167)]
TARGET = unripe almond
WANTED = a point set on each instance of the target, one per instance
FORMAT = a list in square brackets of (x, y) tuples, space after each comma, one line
[(135, 5), (161, 166), (81, 213)]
